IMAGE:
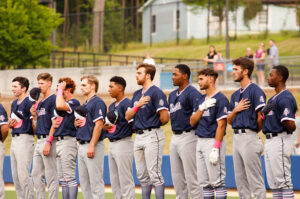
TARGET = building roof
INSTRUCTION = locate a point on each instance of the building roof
(279, 1)
(141, 9)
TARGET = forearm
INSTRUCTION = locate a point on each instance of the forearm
(4, 131)
(164, 117)
(130, 113)
(289, 125)
(259, 122)
(61, 104)
(96, 133)
(231, 116)
(220, 130)
(195, 118)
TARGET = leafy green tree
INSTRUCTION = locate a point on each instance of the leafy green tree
(25, 29)
(252, 8)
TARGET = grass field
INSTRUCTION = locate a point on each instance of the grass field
(6, 101)
(287, 42)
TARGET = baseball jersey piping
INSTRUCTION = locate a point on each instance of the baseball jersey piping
(3, 123)
(99, 118)
(282, 151)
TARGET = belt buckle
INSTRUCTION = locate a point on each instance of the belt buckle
(268, 136)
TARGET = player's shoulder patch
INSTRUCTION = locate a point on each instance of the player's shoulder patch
(100, 112)
(286, 112)
(161, 102)
(261, 99)
(2, 118)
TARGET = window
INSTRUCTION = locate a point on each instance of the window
(177, 20)
(153, 23)
(263, 17)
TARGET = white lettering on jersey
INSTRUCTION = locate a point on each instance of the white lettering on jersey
(206, 113)
(175, 108)
(42, 111)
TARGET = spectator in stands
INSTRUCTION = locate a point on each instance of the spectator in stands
(274, 54)
(259, 60)
(249, 53)
(211, 57)
(149, 60)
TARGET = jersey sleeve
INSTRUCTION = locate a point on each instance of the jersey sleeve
(160, 101)
(72, 104)
(259, 99)
(3, 116)
(195, 98)
(286, 109)
(52, 108)
(99, 111)
(222, 109)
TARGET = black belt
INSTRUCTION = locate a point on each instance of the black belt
(270, 135)
(41, 136)
(237, 131)
(180, 132)
(140, 131)
(114, 139)
(15, 134)
(59, 138)
(83, 141)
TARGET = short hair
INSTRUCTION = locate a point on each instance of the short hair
(272, 40)
(69, 83)
(119, 80)
(184, 69)
(91, 80)
(282, 71)
(149, 69)
(244, 63)
(208, 72)
(45, 76)
(23, 81)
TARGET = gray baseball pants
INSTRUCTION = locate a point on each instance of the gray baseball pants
(278, 151)
(21, 153)
(148, 149)
(2, 155)
(210, 175)
(66, 154)
(45, 166)
(120, 157)
(91, 171)
(183, 165)
(247, 150)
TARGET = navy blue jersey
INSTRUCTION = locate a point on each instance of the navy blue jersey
(96, 111)
(3, 118)
(67, 128)
(182, 106)
(123, 129)
(45, 115)
(208, 124)
(24, 109)
(147, 115)
(247, 119)
(284, 108)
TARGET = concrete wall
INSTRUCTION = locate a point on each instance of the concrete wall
(102, 73)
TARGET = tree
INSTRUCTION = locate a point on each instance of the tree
(25, 29)
(252, 8)
(98, 25)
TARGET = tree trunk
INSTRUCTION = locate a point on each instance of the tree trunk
(77, 22)
(98, 25)
(66, 22)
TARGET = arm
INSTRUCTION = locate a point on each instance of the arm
(95, 137)
(164, 116)
(196, 117)
(243, 105)
(289, 125)
(130, 113)
(4, 131)
(47, 147)
(221, 129)
(60, 101)
(259, 121)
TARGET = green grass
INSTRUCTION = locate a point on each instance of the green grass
(288, 43)
(12, 195)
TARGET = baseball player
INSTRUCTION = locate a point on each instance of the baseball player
(279, 124)
(65, 134)
(22, 144)
(3, 135)
(44, 166)
(120, 153)
(210, 119)
(149, 111)
(182, 102)
(244, 116)
(90, 136)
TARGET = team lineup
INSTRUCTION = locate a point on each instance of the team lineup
(69, 133)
